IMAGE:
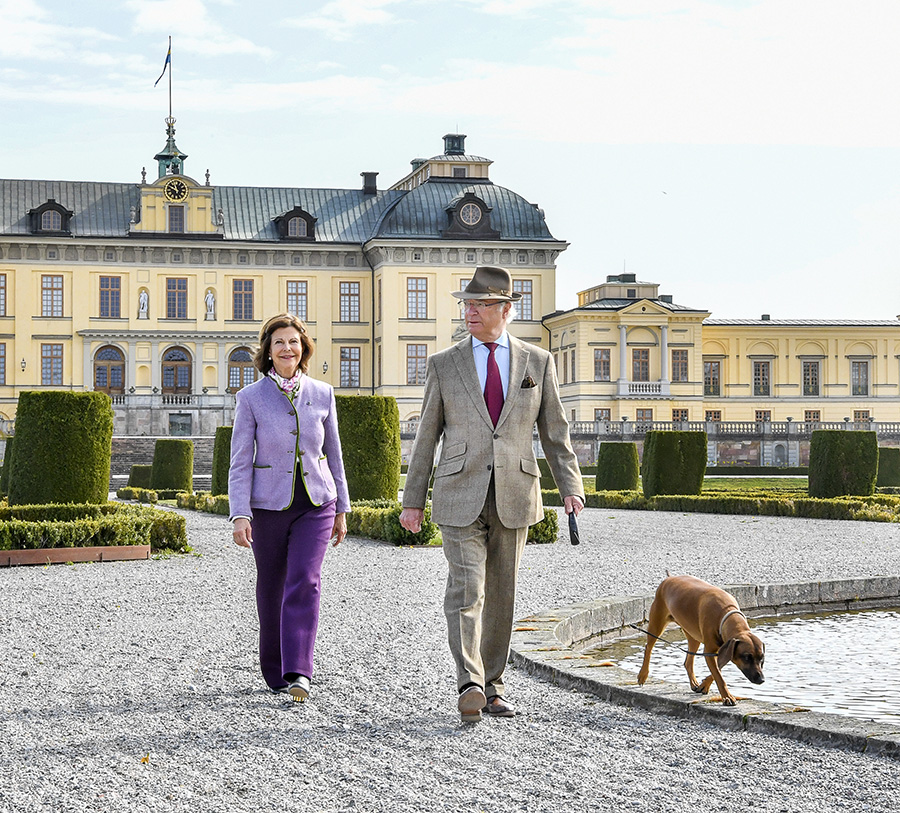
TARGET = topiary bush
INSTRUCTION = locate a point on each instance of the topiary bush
(173, 465)
(63, 448)
(221, 462)
(674, 463)
(369, 426)
(4, 471)
(842, 463)
(618, 467)
(140, 476)
(888, 467)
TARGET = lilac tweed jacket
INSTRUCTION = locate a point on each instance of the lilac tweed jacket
(271, 433)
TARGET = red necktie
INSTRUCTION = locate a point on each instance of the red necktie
(493, 386)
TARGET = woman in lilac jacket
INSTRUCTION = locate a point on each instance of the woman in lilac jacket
(288, 496)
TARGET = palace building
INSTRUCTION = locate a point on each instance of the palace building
(154, 292)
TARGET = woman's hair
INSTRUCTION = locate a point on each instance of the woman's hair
(263, 361)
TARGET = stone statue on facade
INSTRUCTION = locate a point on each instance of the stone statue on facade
(143, 304)
(210, 300)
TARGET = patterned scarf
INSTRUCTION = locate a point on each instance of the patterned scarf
(287, 385)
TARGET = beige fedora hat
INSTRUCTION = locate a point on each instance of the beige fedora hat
(489, 282)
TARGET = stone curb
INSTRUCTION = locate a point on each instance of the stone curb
(549, 644)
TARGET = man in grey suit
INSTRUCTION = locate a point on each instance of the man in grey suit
(483, 397)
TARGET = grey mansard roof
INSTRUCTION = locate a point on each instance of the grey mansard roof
(103, 210)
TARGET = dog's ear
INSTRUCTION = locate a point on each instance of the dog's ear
(726, 652)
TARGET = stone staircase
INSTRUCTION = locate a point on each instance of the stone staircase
(129, 450)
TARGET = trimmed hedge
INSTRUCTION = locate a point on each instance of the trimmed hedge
(545, 532)
(618, 467)
(63, 448)
(369, 426)
(842, 463)
(139, 494)
(173, 465)
(89, 524)
(674, 462)
(204, 501)
(140, 476)
(760, 471)
(888, 467)
(221, 462)
(4, 472)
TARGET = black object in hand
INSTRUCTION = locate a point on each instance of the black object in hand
(574, 538)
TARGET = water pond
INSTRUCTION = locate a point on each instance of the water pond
(840, 663)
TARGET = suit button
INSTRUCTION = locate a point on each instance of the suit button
(302, 452)
(489, 468)
(294, 432)
(292, 412)
(304, 474)
(496, 436)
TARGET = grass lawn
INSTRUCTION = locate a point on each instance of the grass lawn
(716, 484)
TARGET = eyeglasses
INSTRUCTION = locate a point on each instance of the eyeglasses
(478, 305)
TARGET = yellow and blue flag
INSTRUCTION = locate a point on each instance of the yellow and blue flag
(167, 64)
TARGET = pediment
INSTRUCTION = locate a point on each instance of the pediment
(646, 307)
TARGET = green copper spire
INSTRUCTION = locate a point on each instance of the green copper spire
(171, 159)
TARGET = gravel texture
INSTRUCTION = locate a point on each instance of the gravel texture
(134, 687)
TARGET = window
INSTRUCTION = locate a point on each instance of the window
(713, 415)
(350, 364)
(711, 377)
(296, 298)
(416, 298)
(679, 365)
(176, 219)
(631, 293)
(565, 374)
(241, 371)
(176, 371)
(810, 377)
(51, 365)
(297, 227)
(459, 172)
(379, 299)
(812, 416)
(572, 368)
(643, 416)
(861, 415)
(679, 415)
(349, 301)
(761, 385)
(859, 377)
(763, 415)
(109, 371)
(51, 220)
(2, 294)
(522, 258)
(601, 415)
(524, 305)
(640, 364)
(176, 298)
(242, 293)
(51, 295)
(416, 358)
(601, 365)
(110, 297)
(2, 363)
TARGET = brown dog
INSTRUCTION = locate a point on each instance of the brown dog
(709, 615)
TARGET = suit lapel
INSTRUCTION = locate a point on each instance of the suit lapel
(464, 358)
(518, 361)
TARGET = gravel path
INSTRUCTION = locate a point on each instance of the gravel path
(133, 686)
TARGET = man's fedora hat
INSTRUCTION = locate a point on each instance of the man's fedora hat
(489, 282)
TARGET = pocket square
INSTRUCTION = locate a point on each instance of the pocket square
(528, 383)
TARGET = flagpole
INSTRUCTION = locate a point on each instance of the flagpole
(170, 76)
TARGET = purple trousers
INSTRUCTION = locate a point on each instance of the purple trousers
(289, 547)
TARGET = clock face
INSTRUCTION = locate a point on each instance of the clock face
(470, 214)
(175, 189)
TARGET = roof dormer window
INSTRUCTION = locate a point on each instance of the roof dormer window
(460, 172)
(297, 224)
(296, 227)
(469, 216)
(50, 218)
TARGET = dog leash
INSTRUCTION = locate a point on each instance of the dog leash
(672, 643)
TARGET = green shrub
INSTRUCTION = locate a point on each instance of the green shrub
(4, 472)
(139, 494)
(618, 467)
(380, 519)
(842, 463)
(544, 532)
(63, 448)
(369, 427)
(140, 476)
(888, 467)
(674, 463)
(221, 459)
(173, 465)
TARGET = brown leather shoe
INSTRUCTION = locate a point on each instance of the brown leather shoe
(470, 704)
(498, 707)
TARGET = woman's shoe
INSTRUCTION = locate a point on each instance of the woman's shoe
(299, 688)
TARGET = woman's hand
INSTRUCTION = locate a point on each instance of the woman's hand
(339, 531)
(242, 535)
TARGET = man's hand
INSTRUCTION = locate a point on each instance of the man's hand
(573, 503)
(242, 535)
(411, 519)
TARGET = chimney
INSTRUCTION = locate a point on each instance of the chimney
(766, 317)
(454, 144)
(370, 187)
(666, 298)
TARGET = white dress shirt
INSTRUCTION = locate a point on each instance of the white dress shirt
(501, 354)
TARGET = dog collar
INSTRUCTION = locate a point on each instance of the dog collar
(725, 618)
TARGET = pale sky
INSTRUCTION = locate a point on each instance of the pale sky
(745, 154)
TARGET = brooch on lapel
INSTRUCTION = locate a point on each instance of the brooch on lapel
(528, 383)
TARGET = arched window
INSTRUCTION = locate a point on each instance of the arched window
(51, 220)
(296, 227)
(241, 371)
(109, 371)
(176, 371)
